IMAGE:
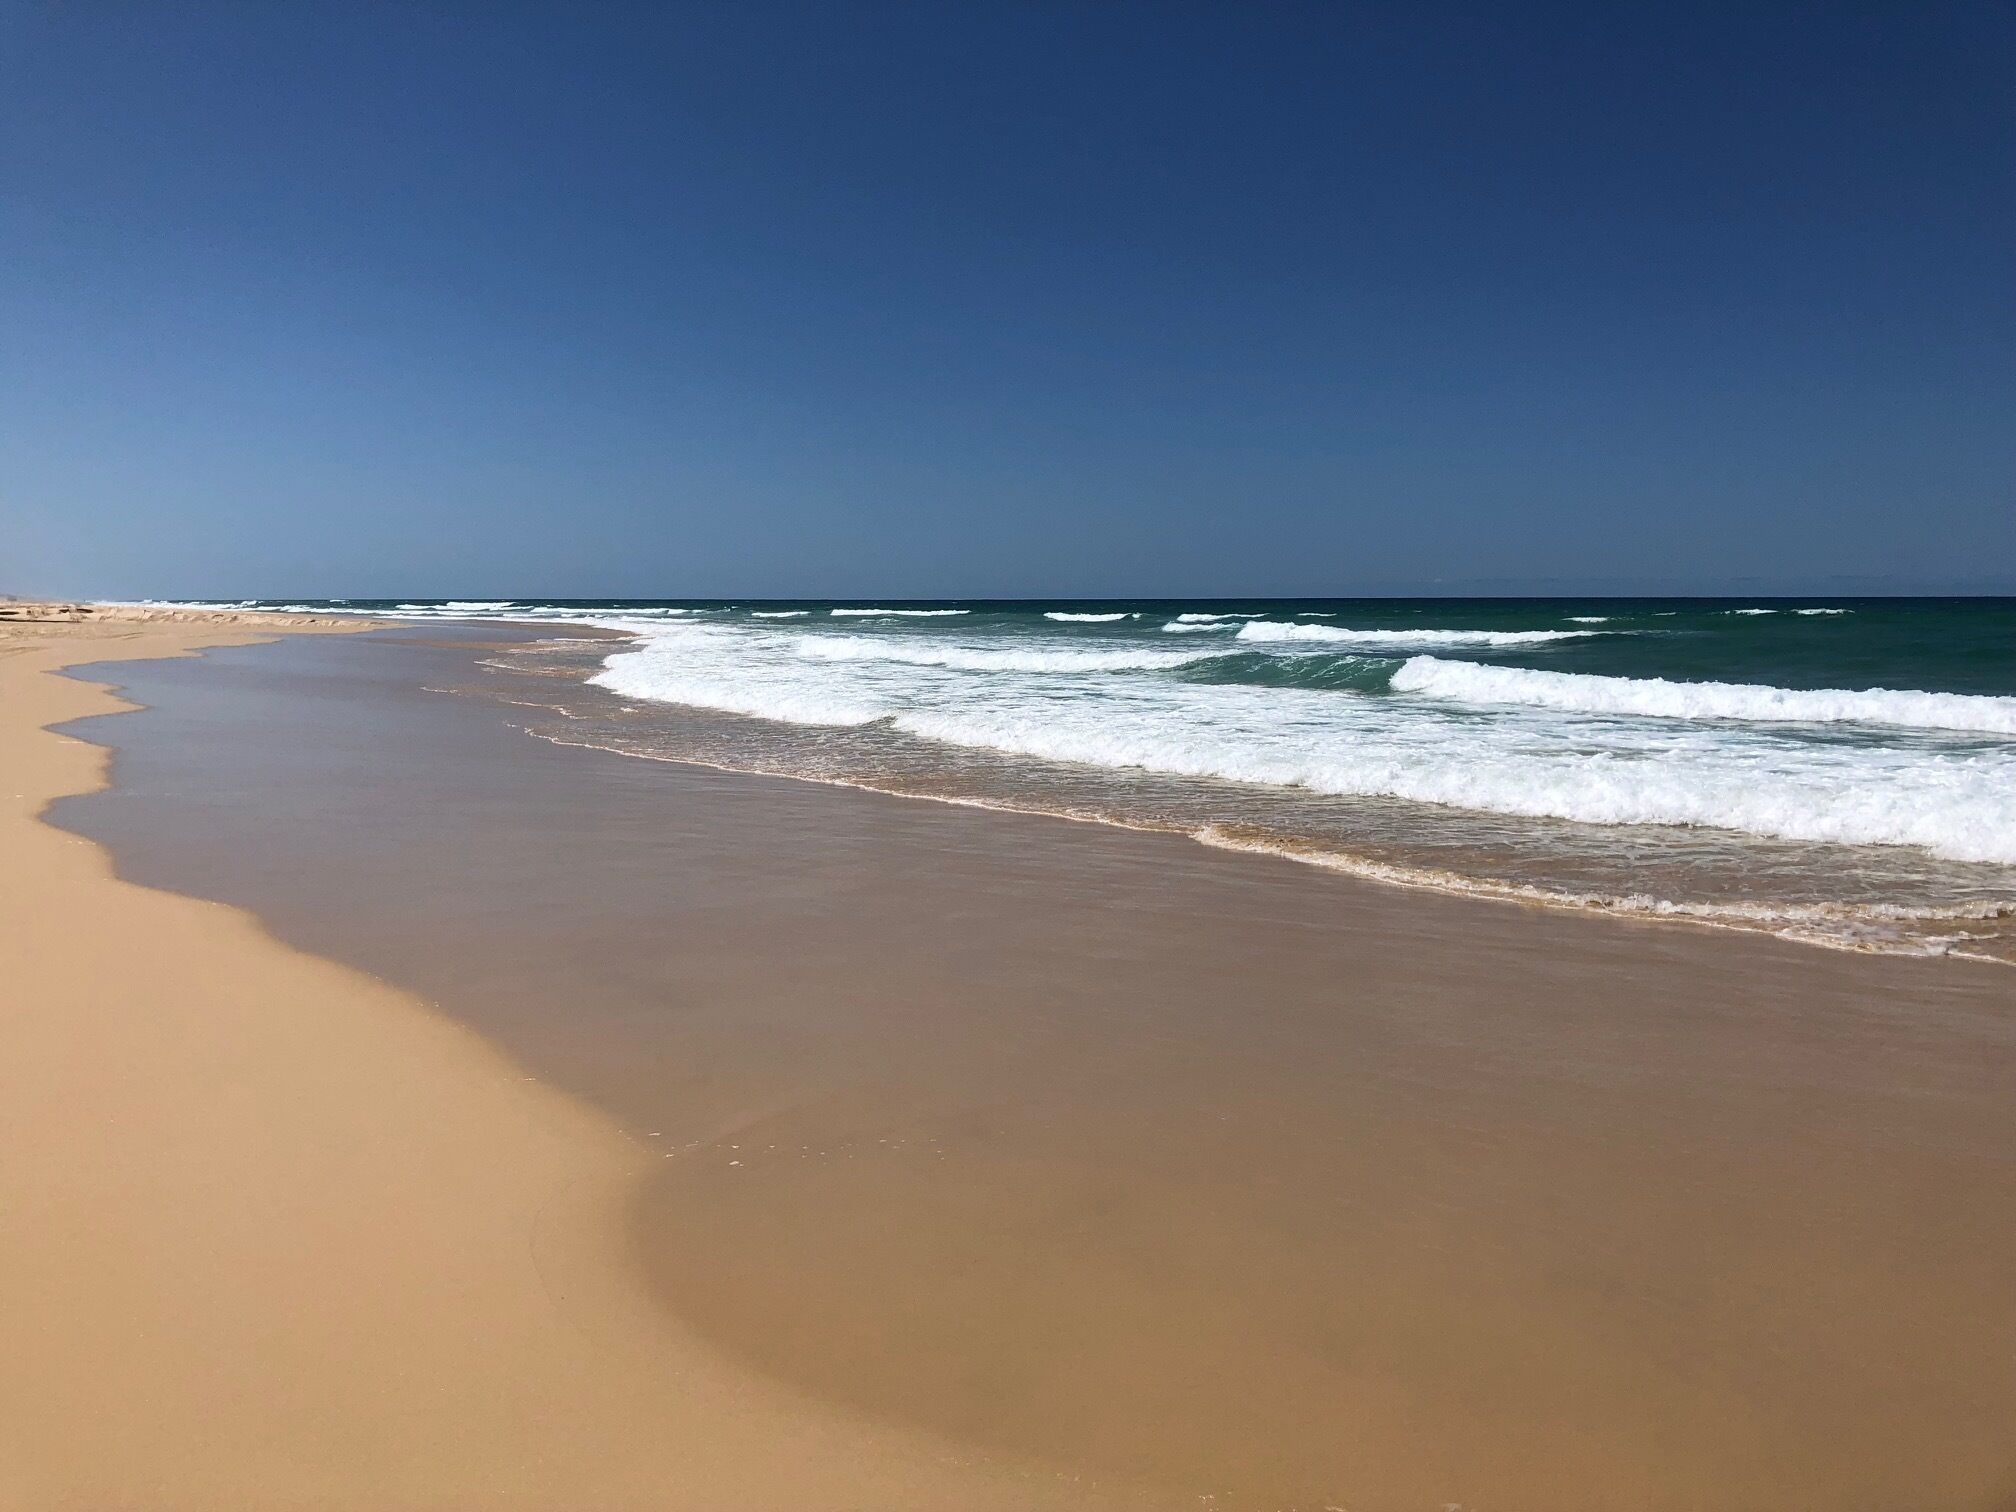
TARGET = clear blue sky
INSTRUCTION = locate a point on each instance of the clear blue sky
(1005, 299)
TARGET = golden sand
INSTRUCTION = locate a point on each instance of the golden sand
(274, 1235)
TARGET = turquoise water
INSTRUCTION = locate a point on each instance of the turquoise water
(1840, 769)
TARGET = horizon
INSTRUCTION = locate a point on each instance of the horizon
(736, 599)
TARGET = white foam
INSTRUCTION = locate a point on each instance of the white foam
(1180, 627)
(1952, 799)
(1943, 804)
(1657, 697)
(1750, 611)
(1843, 925)
(1823, 611)
(1085, 619)
(1590, 619)
(674, 668)
(1274, 630)
(780, 613)
(858, 648)
(905, 613)
(319, 609)
(451, 609)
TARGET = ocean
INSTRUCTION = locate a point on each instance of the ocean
(1841, 771)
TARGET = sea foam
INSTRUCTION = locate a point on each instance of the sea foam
(1274, 630)
(1660, 698)
(854, 648)
(1681, 768)
(1943, 806)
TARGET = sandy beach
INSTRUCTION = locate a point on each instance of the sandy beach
(276, 1235)
(890, 1130)
(847, 757)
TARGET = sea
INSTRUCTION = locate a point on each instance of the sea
(1840, 771)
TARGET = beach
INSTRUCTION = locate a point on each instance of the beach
(277, 1235)
(1007, 758)
(657, 1116)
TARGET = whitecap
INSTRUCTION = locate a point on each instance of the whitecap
(1274, 630)
(1661, 698)
(905, 652)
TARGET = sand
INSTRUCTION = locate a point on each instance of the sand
(1089, 1150)
(1114, 1151)
(274, 1235)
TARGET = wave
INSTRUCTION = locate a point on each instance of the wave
(1823, 611)
(1881, 928)
(1211, 722)
(1180, 627)
(856, 648)
(1962, 813)
(442, 607)
(1749, 611)
(906, 613)
(1472, 682)
(1274, 630)
(779, 613)
(335, 606)
(1269, 667)
(1590, 619)
(1088, 619)
(644, 676)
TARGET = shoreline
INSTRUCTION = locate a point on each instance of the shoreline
(1793, 923)
(1965, 924)
(1979, 929)
(1101, 1148)
(283, 1236)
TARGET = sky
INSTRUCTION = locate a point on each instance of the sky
(1005, 299)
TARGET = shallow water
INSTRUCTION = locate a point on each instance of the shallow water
(1844, 772)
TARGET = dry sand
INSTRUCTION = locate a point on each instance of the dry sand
(273, 1235)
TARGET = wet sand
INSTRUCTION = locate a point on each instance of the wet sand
(1140, 1160)
(274, 1235)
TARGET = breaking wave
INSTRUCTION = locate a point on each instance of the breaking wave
(1658, 698)
(1272, 630)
